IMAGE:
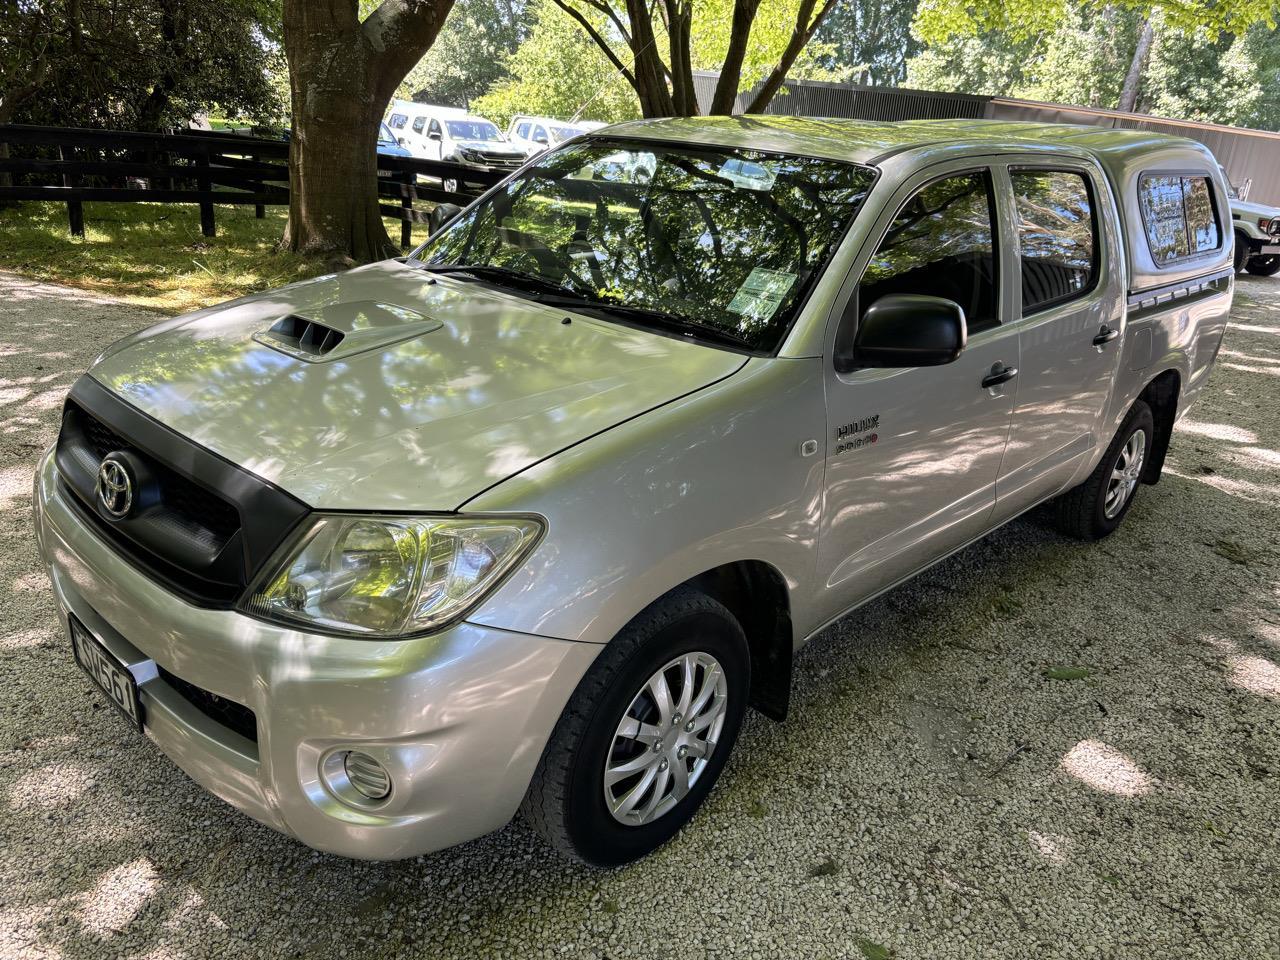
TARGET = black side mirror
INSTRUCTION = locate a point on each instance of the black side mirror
(908, 330)
(435, 135)
(441, 215)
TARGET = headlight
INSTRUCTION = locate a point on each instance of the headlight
(390, 576)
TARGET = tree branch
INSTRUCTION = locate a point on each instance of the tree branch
(799, 38)
(599, 41)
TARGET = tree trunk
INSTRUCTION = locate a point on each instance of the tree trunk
(800, 36)
(1133, 79)
(342, 73)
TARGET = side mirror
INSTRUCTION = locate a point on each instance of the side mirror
(400, 141)
(540, 139)
(435, 135)
(441, 215)
(908, 330)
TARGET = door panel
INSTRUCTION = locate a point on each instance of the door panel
(1069, 291)
(913, 454)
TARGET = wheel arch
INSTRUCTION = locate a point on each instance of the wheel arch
(756, 593)
(1161, 394)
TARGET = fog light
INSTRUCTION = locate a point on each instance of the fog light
(366, 775)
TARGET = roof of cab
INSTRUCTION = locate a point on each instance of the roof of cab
(868, 141)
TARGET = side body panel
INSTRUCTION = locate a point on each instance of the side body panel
(1065, 384)
(926, 484)
(714, 478)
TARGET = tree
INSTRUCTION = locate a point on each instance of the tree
(559, 72)
(871, 38)
(133, 64)
(652, 45)
(471, 53)
(1088, 57)
(342, 73)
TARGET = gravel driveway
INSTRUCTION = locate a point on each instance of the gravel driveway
(1037, 749)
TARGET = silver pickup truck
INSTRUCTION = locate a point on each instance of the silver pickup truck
(528, 519)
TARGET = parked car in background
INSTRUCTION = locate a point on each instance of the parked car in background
(533, 135)
(527, 520)
(1256, 228)
(388, 145)
(447, 133)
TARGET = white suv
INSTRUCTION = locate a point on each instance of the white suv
(448, 133)
(536, 134)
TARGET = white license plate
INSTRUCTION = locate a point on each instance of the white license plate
(108, 672)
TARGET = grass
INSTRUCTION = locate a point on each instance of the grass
(152, 254)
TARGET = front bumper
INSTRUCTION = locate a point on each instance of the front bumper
(458, 718)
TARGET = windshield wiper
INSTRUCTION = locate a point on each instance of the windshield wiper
(550, 293)
(658, 318)
(505, 276)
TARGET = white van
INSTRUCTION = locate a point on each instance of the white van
(448, 133)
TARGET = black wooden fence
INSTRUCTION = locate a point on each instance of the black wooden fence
(72, 166)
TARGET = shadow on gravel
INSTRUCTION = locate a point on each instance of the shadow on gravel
(1036, 749)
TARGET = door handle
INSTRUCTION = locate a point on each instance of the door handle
(1105, 336)
(1000, 374)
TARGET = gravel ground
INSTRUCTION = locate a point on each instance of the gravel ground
(1037, 749)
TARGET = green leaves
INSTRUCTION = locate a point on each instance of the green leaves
(1066, 673)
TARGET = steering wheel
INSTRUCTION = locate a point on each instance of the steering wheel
(557, 265)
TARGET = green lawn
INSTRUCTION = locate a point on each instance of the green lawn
(152, 254)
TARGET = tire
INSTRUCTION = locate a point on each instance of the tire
(1264, 266)
(1086, 512)
(566, 802)
(1241, 252)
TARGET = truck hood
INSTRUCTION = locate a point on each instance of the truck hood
(1253, 211)
(379, 389)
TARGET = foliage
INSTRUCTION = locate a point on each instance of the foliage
(134, 64)
(656, 47)
(868, 41)
(556, 72)
(470, 55)
(1083, 58)
(940, 20)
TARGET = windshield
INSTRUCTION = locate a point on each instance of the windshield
(724, 243)
(385, 134)
(473, 130)
(560, 134)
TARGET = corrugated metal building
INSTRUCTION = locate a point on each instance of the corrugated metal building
(1247, 154)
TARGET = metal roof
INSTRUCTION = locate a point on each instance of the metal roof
(865, 141)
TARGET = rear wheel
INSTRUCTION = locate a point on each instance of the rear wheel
(1266, 266)
(645, 736)
(1095, 508)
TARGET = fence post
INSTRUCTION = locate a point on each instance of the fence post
(206, 199)
(409, 179)
(75, 209)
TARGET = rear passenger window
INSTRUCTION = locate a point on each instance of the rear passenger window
(397, 121)
(1179, 216)
(942, 244)
(1057, 236)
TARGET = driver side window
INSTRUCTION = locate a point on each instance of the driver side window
(941, 244)
(434, 129)
(417, 124)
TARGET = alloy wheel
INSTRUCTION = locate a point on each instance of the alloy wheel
(665, 738)
(1125, 474)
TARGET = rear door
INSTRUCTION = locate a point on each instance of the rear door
(913, 453)
(1069, 296)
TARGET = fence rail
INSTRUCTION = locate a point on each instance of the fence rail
(70, 165)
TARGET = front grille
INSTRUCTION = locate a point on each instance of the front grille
(232, 715)
(199, 524)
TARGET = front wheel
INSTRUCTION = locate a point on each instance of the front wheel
(1240, 254)
(1095, 508)
(645, 736)
(1267, 266)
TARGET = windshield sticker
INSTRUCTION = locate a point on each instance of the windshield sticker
(747, 175)
(761, 293)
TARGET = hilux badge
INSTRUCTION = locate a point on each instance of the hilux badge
(115, 488)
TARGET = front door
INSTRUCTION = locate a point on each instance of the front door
(1070, 316)
(913, 453)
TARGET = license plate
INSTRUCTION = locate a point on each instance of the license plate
(109, 673)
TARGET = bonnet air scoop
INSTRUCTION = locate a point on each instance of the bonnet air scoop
(341, 330)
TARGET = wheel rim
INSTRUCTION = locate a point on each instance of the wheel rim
(665, 739)
(1125, 473)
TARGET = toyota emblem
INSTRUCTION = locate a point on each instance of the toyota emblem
(115, 488)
